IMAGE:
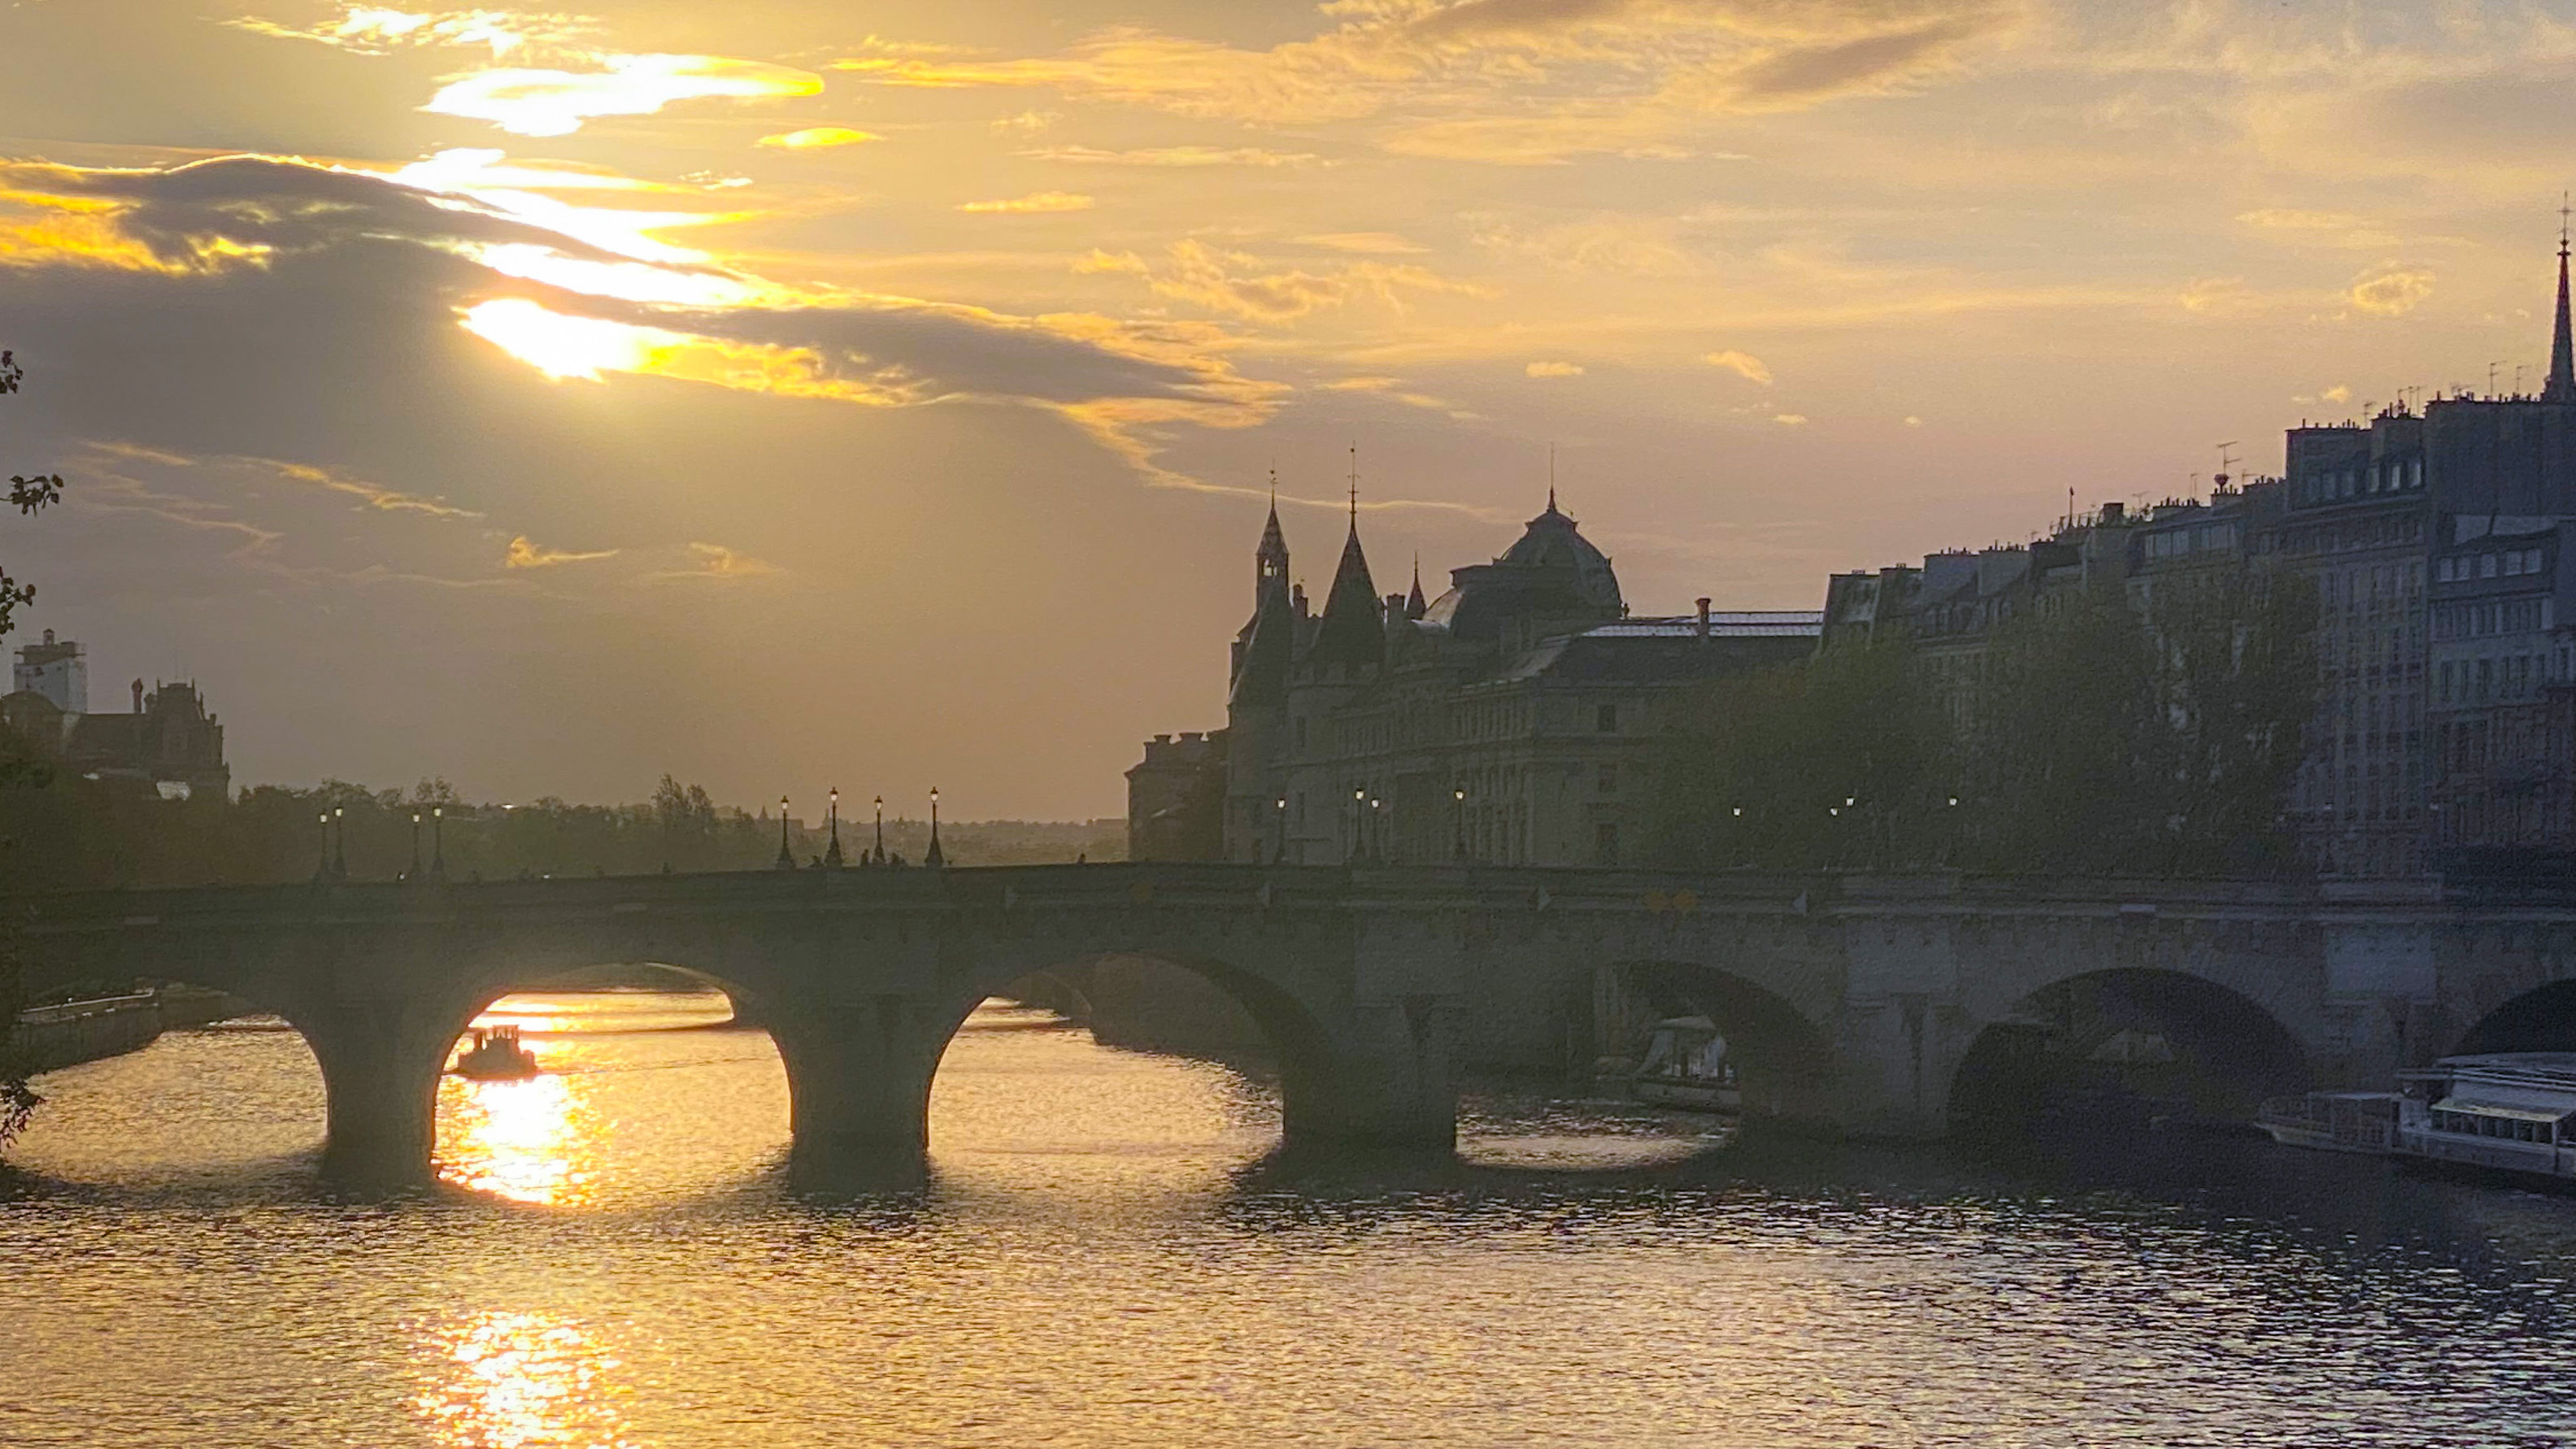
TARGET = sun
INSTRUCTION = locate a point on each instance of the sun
(561, 346)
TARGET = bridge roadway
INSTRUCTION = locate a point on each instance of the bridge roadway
(1852, 1001)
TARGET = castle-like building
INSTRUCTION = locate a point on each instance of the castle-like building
(169, 744)
(1512, 720)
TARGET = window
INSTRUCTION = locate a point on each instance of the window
(1605, 843)
(2486, 565)
(1301, 732)
(1606, 720)
(2445, 695)
(1607, 782)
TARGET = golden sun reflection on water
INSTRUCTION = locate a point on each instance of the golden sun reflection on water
(526, 1141)
(522, 1381)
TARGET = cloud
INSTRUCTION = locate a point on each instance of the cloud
(1175, 156)
(441, 259)
(380, 30)
(1371, 243)
(1026, 123)
(717, 562)
(547, 102)
(1912, 421)
(2391, 290)
(814, 138)
(2286, 219)
(2339, 393)
(1790, 420)
(524, 554)
(1743, 364)
(1035, 203)
(1553, 369)
(1229, 281)
(2223, 297)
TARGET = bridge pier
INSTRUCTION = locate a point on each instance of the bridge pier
(1389, 1084)
(858, 1080)
(380, 1069)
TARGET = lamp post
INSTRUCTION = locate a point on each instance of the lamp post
(322, 866)
(786, 858)
(415, 846)
(1377, 830)
(934, 857)
(1279, 808)
(832, 857)
(1460, 795)
(880, 850)
(438, 841)
(1359, 795)
(340, 860)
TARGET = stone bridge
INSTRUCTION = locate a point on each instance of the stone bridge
(1856, 1004)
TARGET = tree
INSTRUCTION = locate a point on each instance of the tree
(29, 494)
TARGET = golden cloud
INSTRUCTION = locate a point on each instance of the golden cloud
(381, 30)
(1553, 369)
(524, 554)
(1374, 243)
(1790, 420)
(544, 102)
(1035, 203)
(1743, 364)
(2391, 290)
(814, 138)
(1228, 281)
(1175, 156)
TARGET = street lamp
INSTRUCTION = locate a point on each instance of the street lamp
(322, 867)
(1359, 793)
(438, 841)
(340, 861)
(934, 857)
(832, 857)
(786, 858)
(1279, 809)
(1460, 795)
(880, 850)
(1377, 830)
(415, 846)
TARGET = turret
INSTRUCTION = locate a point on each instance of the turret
(2561, 387)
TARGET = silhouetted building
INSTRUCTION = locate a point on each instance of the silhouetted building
(168, 744)
(1175, 798)
(1514, 719)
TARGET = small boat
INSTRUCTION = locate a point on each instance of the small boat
(2507, 1111)
(2363, 1122)
(1686, 1066)
(496, 1056)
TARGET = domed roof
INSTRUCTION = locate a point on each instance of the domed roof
(1552, 542)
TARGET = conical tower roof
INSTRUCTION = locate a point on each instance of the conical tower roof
(2561, 387)
(1352, 631)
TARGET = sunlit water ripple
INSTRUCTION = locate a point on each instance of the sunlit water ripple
(1111, 1254)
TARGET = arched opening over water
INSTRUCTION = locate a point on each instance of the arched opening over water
(1773, 1055)
(1128, 1054)
(2540, 1020)
(2124, 1046)
(651, 1079)
(214, 1086)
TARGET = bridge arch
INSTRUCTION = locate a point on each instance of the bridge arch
(1783, 1053)
(1313, 1059)
(2541, 1019)
(2126, 1040)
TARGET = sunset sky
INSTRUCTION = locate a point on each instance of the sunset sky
(796, 394)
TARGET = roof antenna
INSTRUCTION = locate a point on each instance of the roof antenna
(1355, 487)
(2226, 461)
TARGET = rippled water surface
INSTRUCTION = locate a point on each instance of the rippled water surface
(1111, 1253)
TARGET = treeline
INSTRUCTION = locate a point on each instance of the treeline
(69, 833)
(2097, 734)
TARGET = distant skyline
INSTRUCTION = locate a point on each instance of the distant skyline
(547, 399)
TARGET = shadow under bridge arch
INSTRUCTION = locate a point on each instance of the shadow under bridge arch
(2124, 1044)
(1781, 1060)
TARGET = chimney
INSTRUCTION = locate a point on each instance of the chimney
(138, 696)
(1703, 619)
(2114, 514)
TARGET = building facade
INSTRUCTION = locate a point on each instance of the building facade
(1517, 718)
(168, 744)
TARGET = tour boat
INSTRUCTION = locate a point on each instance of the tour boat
(2510, 1111)
(2334, 1121)
(496, 1056)
(1685, 1066)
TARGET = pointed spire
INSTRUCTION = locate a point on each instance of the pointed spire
(1414, 607)
(2561, 387)
(1352, 631)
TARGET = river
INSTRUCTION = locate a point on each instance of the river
(1112, 1253)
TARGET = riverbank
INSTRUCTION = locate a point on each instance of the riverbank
(67, 1033)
